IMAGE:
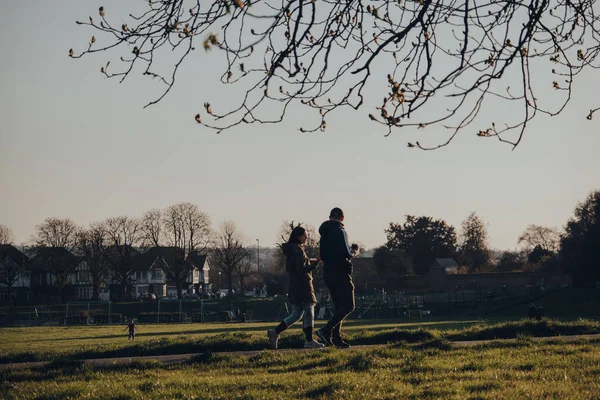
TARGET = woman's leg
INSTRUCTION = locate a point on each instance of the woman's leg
(294, 316)
(308, 322)
(288, 321)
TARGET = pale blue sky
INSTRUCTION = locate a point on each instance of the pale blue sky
(73, 144)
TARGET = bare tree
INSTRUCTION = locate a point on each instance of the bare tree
(245, 269)
(124, 235)
(540, 236)
(56, 232)
(6, 235)
(91, 246)
(152, 228)
(12, 265)
(188, 230)
(55, 239)
(440, 60)
(229, 251)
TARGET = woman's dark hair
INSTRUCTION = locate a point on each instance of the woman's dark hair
(296, 233)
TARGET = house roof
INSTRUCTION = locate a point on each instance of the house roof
(144, 261)
(167, 255)
(445, 263)
(53, 258)
(8, 251)
(199, 260)
(113, 254)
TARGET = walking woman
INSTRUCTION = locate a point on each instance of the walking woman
(301, 291)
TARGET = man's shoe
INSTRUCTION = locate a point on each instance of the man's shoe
(340, 343)
(324, 336)
(273, 338)
(313, 344)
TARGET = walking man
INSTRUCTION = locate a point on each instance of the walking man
(337, 259)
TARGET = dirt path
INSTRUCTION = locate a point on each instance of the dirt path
(181, 358)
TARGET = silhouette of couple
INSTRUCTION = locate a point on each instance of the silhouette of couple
(337, 257)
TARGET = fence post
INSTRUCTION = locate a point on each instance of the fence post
(88, 315)
(158, 314)
(180, 310)
(110, 312)
(66, 314)
(201, 310)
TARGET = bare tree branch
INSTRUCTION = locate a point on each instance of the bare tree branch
(188, 231)
(152, 228)
(56, 232)
(124, 235)
(6, 235)
(229, 251)
(443, 59)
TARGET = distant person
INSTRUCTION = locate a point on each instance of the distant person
(337, 258)
(132, 328)
(301, 291)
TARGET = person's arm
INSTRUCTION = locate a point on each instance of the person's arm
(341, 241)
(303, 264)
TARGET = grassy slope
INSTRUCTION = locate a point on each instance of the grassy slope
(523, 369)
(47, 343)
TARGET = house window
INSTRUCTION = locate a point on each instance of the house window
(84, 276)
(157, 273)
(139, 276)
(84, 293)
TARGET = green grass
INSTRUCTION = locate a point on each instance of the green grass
(427, 370)
(73, 343)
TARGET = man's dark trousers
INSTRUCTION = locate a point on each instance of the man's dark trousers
(341, 287)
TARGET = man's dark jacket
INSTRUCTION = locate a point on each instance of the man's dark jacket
(335, 253)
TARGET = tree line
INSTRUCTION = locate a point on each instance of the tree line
(109, 247)
(412, 246)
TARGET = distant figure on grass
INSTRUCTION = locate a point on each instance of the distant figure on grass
(337, 258)
(132, 328)
(301, 291)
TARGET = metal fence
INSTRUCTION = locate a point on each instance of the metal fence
(376, 305)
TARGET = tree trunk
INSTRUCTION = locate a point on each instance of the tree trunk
(230, 283)
(241, 284)
(179, 285)
(95, 290)
(10, 298)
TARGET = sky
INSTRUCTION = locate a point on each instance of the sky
(76, 145)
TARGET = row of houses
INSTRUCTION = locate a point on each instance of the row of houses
(56, 272)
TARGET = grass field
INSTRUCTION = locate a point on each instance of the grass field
(57, 339)
(428, 370)
(415, 360)
(73, 343)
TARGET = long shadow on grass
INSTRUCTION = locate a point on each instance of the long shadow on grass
(238, 328)
(515, 329)
(245, 341)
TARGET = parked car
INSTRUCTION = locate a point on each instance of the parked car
(219, 294)
(148, 297)
(192, 296)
